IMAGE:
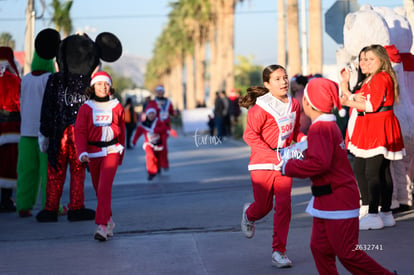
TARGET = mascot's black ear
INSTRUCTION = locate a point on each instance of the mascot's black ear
(110, 48)
(47, 43)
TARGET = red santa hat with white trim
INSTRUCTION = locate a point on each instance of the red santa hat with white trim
(323, 95)
(101, 76)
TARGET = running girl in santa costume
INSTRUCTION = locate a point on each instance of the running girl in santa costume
(100, 143)
(377, 137)
(153, 130)
(335, 201)
(272, 124)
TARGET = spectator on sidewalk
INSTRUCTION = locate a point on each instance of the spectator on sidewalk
(218, 111)
(130, 120)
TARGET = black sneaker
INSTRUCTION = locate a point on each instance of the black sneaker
(7, 206)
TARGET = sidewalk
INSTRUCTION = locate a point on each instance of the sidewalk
(187, 221)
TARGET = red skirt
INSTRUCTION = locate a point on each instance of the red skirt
(377, 134)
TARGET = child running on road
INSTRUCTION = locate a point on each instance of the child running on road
(100, 143)
(272, 124)
(153, 130)
(335, 201)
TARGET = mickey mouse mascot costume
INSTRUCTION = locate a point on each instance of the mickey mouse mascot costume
(77, 57)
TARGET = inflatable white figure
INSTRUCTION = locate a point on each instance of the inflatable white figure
(385, 26)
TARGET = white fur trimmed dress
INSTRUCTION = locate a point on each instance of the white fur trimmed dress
(377, 130)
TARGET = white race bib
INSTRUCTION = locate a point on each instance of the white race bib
(102, 117)
(286, 125)
(164, 115)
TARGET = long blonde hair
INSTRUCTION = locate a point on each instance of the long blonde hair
(385, 66)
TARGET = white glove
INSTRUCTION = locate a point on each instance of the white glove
(43, 143)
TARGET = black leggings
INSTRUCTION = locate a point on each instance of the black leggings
(375, 182)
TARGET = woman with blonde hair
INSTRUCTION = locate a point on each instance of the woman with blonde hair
(377, 137)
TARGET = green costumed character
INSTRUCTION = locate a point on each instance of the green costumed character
(32, 164)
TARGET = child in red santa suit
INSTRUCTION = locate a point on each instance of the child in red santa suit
(272, 123)
(165, 110)
(100, 142)
(335, 202)
(153, 130)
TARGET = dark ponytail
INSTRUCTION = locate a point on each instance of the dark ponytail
(253, 93)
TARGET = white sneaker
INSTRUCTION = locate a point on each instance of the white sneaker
(371, 221)
(101, 233)
(247, 226)
(280, 260)
(110, 227)
(363, 211)
(387, 218)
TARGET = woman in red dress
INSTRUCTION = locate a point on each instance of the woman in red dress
(377, 138)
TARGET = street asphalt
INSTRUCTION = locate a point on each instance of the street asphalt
(185, 221)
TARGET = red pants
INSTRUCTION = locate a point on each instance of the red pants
(266, 184)
(56, 177)
(103, 172)
(153, 160)
(339, 238)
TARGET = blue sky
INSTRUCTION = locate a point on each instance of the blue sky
(138, 23)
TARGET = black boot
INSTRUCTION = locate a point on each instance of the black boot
(47, 216)
(6, 203)
(83, 214)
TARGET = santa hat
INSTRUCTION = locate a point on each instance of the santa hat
(6, 53)
(393, 53)
(101, 76)
(160, 88)
(150, 110)
(322, 94)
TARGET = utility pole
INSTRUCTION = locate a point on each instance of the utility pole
(29, 36)
(30, 30)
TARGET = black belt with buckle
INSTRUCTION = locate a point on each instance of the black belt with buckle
(382, 109)
(318, 191)
(103, 143)
(6, 116)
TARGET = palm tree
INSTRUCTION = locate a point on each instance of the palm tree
(6, 39)
(221, 41)
(61, 16)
